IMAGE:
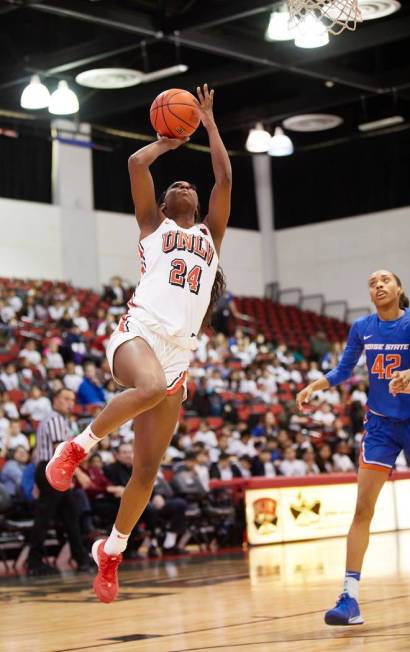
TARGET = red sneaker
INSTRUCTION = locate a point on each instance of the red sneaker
(106, 583)
(60, 469)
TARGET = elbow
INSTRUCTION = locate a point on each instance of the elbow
(134, 160)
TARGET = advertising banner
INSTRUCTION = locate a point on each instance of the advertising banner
(311, 512)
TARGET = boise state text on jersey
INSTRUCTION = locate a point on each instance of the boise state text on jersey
(387, 348)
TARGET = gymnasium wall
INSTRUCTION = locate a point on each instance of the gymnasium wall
(335, 258)
(32, 243)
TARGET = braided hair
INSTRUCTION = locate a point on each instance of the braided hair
(404, 300)
(219, 286)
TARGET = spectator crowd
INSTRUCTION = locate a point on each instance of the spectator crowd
(240, 418)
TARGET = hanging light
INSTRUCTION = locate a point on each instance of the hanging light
(280, 144)
(63, 101)
(35, 95)
(258, 139)
(311, 33)
(279, 28)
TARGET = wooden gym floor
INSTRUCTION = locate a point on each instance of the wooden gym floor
(270, 598)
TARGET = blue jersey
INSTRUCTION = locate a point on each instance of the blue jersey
(387, 348)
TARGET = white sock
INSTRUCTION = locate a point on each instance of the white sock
(116, 542)
(170, 540)
(86, 439)
(351, 585)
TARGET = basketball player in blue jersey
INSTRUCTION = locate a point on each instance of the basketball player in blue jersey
(385, 338)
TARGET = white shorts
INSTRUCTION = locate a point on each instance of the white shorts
(173, 359)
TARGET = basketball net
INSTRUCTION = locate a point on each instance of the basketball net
(335, 15)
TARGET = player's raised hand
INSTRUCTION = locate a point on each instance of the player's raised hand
(206, 100)
(304, 396)
(171, 143)
(400, 382)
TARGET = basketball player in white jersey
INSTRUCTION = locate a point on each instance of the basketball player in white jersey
(149, 353)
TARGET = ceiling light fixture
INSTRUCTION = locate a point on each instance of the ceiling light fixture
(381, 124)
(311, 33)
(165, 72)
(278, 28)
(115, 78)
(35, 95)
(280, 144)
(258, 140)
(63, 101)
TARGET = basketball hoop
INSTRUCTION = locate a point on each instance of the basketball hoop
(335, 15)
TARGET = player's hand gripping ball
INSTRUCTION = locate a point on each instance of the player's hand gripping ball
(175, 113)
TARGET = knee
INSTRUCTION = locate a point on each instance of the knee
(364, 511)
(145, 475)
(154, 392)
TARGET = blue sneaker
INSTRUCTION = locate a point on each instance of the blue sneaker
(346, 612)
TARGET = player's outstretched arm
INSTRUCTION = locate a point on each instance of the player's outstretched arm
(220, 199)
(400, 383)
(342, 372)
(142, 184)
(307, 392)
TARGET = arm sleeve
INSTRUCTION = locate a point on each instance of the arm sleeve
(348, 361)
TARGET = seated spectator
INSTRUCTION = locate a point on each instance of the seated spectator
(341, 460)
(106, 325)
(167, 509)
(9, 377)
(4, 430)
(359, 394)
(242, 446)
(202, 468)
(311, 468)
(9, 407)
(56, 310)
(81, 322)
(37, 406)
(224, 469)
(73, 378)
(116, 294)
(7, 313)
(90, 390)
(30, 353)
(340, 431)
(244, 465)
(314, 372)
(53, 357)
(16, 437)
(284, 440)
(324, 416)
(290, 466)
(119, 472)
(332, 396)
(105, 451)
(324, 459)
(320, 347)
(99, 490)
(12, 472)
(262, 464)
(206, 435)
(224, 443)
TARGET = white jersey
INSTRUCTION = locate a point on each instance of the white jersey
(178, 268)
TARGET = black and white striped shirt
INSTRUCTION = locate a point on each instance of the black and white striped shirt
(51, 431)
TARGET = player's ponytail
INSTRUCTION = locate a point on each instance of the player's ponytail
(404, 300)
(217, 291)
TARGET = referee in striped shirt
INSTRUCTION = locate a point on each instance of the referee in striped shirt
(51, 431)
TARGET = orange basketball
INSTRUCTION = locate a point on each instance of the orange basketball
(174, 113)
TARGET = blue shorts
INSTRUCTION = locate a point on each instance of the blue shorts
(383, 440)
